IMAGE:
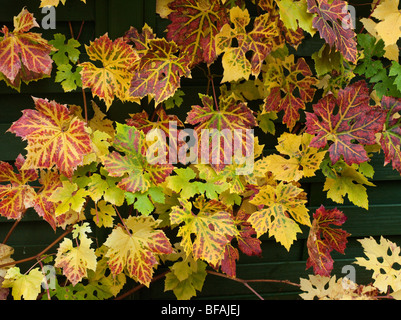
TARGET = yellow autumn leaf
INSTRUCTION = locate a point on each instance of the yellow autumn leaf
(68, 197)
(136, 247)
(26, 286)
(295, 15)
(388, 28)
(296, 159)
(103, 214)
(384, 259)
(282, 205)
(75, 261)
(348, 182)
(328, 288)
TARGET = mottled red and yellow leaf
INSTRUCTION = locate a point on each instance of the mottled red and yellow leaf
(159, 71)
(194, 26)
(350, 128)
(323, 239)
(237, 62)
(55, 137)
(24, 55)
(136, 247)
(289, 85)
(113, 78)
(17, 195)
(211, 227)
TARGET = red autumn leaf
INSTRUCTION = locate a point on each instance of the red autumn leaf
(55, 137)
(247, 241)
(17, 195)
(194, 26)
(231, 117)
(391, 136)
(228, 263)
(353, 126)
(50, 181)
(333, 23)
(284, 81)
(323, 239)
(24, 55)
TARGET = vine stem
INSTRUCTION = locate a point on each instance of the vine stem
(377, 3)
(138, 287)
(11, 230)
(213, 88)
(122, 220)
(69, 230)
(244, 282)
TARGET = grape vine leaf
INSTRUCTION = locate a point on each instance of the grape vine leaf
(102, 185)
(383, 258)
(237, 62)
(230, 124)
(50, 181)
(389, 28)
(390, 140)
(136, 248)
(187, 274)
(323, 239)
(24, 55)
(247, 244)
(371, 48)
(55, 137)
(211, 228)
(282, 81)
(353, 126)
(103, 214)
(113, 78)
(333, 22)
(328, 288)
(295, 15)
(27, 286)
(68, 197)
(66, 52)
(16, 196)
(295, 159)
(5, 257)
(144, 202)
(194, 26)
(134, 167)
(348, 181)
(75, 261)
(159, 71)
(282, 202)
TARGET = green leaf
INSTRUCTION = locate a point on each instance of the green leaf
(70, 80)
(66, 52)
(395, 70)
(143, 202)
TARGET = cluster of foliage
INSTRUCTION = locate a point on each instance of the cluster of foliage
(338, 108)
